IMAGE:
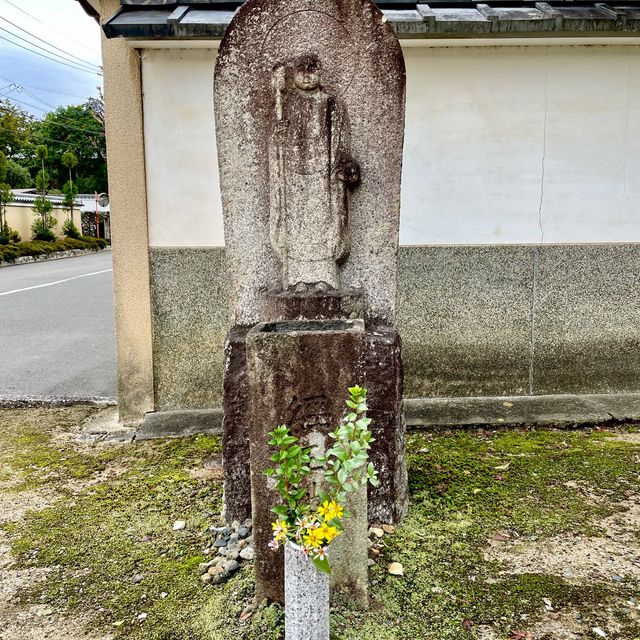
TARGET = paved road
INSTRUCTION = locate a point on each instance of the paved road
(57, 328)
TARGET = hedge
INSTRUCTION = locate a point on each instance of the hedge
(9, 252)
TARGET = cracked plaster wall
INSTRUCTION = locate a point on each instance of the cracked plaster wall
(519, 169)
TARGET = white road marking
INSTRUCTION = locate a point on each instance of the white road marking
(50, 284)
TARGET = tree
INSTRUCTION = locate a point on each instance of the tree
(15, 128)
(70, 191)
(5, 197)
(74, 128)
(18, 176)
(3, 167)
(42, 229)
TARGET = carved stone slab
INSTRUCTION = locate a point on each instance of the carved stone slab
(323, 358)
(362, 71)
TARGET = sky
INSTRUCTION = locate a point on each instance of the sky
(66, 34)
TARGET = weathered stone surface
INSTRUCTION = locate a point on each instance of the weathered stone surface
(348, 553)
(313, 303)
(323, 359)
(464, 314)
(177, 424)
(235, 432)
(522, 410)
(363, 71)
(586, 315)
(383, 378)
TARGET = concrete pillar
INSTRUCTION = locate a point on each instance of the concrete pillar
(129, 235)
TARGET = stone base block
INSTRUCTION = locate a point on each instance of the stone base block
(313, 303)
(384, 381)
(235, 433)
(381, 374)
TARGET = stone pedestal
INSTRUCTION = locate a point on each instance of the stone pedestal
(383, 378)
(381, 374)
(298, 375)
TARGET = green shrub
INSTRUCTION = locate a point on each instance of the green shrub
(43, 229)
(71, 243)
(95, 243)
(70, 230)
(9, 235)
(9, 253)
(35, 248)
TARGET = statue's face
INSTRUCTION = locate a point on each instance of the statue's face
(307, 77)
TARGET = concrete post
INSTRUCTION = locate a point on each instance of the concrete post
(129, 233)
(306, 597)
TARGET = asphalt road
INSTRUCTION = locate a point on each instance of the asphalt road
(57, 333)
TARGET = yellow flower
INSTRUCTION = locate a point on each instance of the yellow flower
(330, 510)
(328, 533)
(314, 538)
(280, 530)
(324, 509)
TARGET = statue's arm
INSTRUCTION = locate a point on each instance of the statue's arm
(346, 169)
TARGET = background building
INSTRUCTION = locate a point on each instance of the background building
(519, 263)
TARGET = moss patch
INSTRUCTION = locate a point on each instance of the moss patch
(101, 529)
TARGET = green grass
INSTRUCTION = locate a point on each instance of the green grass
(101, 530)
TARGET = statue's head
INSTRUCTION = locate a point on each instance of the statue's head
(306, 72)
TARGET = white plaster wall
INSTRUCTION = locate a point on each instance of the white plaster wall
(183, 191)
(504, 145)
(522, 145)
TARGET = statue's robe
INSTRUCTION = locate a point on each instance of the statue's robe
(309, 225)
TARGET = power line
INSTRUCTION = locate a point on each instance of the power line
(60, 124)
(57, 55)
(20, 89)
(51, 46)
(43, 139)
(48, 58)
(62, 93)
(50, 27)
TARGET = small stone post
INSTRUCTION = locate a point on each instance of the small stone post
(306, 597)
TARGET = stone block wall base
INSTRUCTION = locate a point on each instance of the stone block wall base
(509, 411)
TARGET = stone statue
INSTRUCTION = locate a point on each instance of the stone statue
(311, 172)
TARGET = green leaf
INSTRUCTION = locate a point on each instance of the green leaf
(323, 564)
(281, 510)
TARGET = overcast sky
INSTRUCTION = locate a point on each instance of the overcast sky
(67, 34)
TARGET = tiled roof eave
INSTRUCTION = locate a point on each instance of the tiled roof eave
(201, 21)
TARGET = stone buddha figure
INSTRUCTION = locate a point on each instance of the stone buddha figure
(311, 173)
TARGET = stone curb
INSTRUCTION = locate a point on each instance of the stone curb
(175, 424)
(560, 410)
(18, 402)
(56, 255)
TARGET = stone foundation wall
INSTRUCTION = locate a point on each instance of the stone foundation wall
(475, 321)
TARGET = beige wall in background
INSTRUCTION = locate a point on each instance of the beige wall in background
(21, 217)
(504, 144)
(127, 191)
(184, 203)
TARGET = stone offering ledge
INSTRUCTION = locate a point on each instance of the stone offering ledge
(209, 19)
